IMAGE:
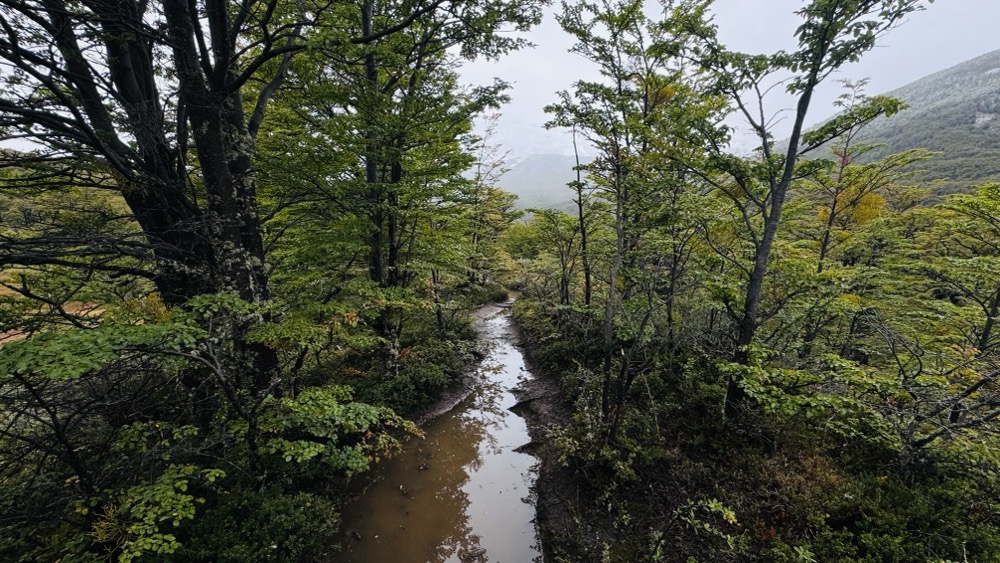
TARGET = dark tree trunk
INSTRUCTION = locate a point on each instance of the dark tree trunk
(736, 398)
(584, 255)
(564, 284)
(991, 317)
(611, 300)
(224, 148)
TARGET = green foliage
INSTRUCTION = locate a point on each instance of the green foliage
(123, 402)
(854, 117)
(322, 424)
(874, 518)
(697, 515)
(121, 511)
(559, 347)
(843, 31)
(134, 522)
(425, 370)
(483, 294)
(841, 412)
(268, 525)
(861, 321)
(63, 355)
(869, 419)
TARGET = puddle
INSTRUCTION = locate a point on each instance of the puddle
(462, 494)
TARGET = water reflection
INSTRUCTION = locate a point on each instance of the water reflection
(459, 495)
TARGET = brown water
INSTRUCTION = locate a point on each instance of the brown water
(462, 490)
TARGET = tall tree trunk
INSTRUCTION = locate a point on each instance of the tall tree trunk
(612, 299)
(438, 310)
(991, 317)
(584, 255)
(225, 148)
(736, 398)
(564, 283)
(376, 264)
(394, 234)
(225, 152)
(824, 245)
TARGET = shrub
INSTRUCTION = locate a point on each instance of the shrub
(264, 526)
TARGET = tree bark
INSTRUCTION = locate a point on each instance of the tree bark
(584, 255)
(737, 400)
(991, 317)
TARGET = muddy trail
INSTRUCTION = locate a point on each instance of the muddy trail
(462, 494)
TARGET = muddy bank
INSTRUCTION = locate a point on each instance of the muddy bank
(540, 404)
(574, 524)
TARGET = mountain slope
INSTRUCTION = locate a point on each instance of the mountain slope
(955, 112)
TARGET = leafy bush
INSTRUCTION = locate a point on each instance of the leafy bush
(266, 526)
(424, 370)
(482, 294)
(873, 518)
(322, 425)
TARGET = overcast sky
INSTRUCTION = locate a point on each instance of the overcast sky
(947, 33)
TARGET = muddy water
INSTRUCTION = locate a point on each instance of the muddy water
(462, 494)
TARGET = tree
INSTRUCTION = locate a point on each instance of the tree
(645, 117)
(611, 115)
(852, 192)
(407, 99)
(383, 137)
(560, 233)
(833, 33)
(491, 208)
(967, 242)
(581, 202)
(173, 81)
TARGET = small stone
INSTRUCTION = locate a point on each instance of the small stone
(356, 535)
(473, 554)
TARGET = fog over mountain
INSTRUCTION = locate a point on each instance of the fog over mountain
(954, 112)
(539, 180)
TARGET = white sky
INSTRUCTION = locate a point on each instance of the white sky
(947, 33)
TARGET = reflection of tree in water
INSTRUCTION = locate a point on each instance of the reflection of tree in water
(495, 379)
(418, 511)
(418, 508)
(451, 464)
(487, 413)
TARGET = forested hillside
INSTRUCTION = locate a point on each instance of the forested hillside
(241, 242)
(956, 114)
